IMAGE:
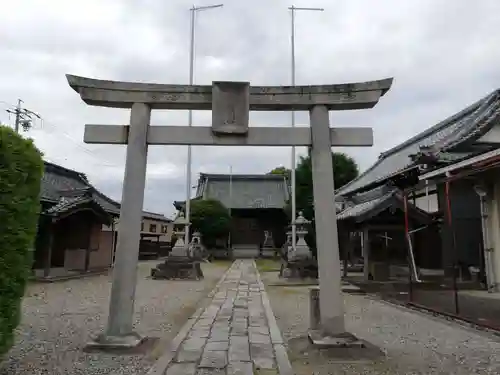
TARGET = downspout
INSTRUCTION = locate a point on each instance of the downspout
(408, 233)
(490, 270)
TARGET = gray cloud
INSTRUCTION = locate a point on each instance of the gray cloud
(443, 55)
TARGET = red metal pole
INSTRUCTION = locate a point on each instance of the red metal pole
(407, 237)
(452, 234)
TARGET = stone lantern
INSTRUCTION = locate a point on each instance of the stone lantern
(196, 247)
(180, 249)
(301, 251)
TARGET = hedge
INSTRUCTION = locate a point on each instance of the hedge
(21, 170)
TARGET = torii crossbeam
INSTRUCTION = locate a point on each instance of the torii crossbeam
(230, 103)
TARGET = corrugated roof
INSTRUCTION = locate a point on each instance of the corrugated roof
(248, 191)
(465, 126)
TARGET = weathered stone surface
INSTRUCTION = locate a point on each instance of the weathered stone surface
(219, 335)
(216, 359)
(230, 107)
(217, 345)
(190, 350)
(257, 338)
(181, 369)
(199, 333)
(240, 368)
(232, 345)
(239, 349)
(262, 355)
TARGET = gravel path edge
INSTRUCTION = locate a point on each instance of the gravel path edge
(280, 351)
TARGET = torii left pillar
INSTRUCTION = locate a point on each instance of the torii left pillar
(230, 103)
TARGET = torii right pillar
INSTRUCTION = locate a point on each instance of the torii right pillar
(331, 330)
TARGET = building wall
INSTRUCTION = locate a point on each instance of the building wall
(462, 242)
(101, 252)
(147, 227)
(427, 199)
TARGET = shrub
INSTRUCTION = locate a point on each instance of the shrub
(21, 169)
(211, 218)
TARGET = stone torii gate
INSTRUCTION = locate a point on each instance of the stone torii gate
(230, 103)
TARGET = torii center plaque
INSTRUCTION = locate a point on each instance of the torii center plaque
(230, 103)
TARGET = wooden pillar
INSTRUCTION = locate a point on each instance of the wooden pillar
(365, 246)
(87, 247)
(48, 259)
(113, 242)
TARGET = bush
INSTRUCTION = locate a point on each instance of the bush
(21, 169)
(211, 218)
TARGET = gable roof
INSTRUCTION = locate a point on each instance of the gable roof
(442, 139)
(59, 182)
(244, 191)
(365, 206)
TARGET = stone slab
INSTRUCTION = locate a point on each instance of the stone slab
(342, 341)
(181, 369)
(213, 359)
(240, 368)
(239, 349)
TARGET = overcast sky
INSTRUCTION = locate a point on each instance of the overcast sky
(443, 55)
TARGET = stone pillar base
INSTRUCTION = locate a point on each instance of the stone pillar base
(107, 342)
(317, 334)
(343, 340)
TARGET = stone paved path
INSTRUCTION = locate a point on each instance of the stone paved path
(236, 334)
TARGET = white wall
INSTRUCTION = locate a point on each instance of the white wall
(427, 203)
(493, 136)
(165, 237)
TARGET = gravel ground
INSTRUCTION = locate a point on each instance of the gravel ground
(414, 343)
(60, 318)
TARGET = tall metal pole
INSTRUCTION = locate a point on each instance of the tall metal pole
(294, 201)
(18, 115)
(230, 201)
(193, 11)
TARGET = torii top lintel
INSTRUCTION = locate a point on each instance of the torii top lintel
(119, 94)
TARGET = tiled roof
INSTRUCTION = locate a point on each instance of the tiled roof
(366, 205)
(155, 216)
(68, 204)
(465, 126)
(362, 204)
(248, 191)
(58, 182)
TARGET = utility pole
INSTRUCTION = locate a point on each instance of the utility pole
(24, 117)
(193, 11)
(292, 40)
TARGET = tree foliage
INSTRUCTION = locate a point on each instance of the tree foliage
(211, 218)
(345, 170)
(283, 171)
(21, 170)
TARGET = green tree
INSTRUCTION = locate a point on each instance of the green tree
(282, 171)
(345, 170)
(211, 218)
(21, 170)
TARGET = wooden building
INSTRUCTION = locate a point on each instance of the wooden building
(472, 131)
(256, 203)
(77, 228)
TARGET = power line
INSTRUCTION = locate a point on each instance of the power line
(24, 116)
(76, 143)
